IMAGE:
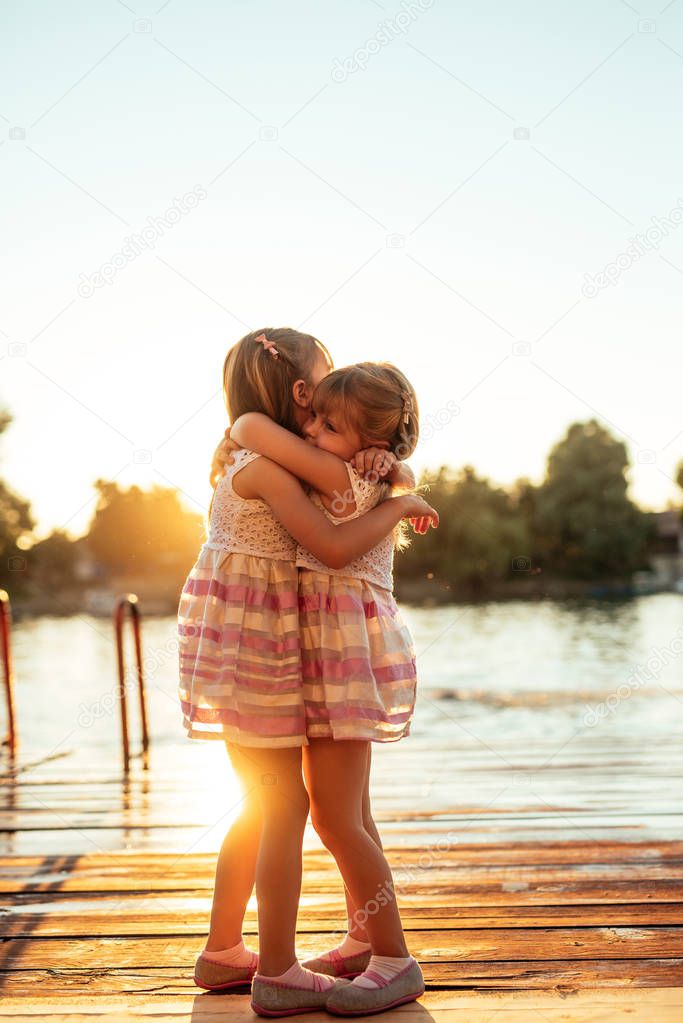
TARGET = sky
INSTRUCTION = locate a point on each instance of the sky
(487, 195)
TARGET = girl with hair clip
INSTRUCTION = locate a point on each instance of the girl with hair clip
(240, 664)
(358, 661)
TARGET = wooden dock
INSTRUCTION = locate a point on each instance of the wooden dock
(561, 899)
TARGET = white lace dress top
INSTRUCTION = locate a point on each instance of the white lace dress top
(246, 526)
(376, 566)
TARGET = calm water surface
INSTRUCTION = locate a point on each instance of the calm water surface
(496, 671)
(501, 684)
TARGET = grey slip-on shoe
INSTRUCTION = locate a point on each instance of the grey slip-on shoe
(213, 976)
(272, 998)
(340, 966)
(352, 1000)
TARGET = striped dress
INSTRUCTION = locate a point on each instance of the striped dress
(358, 658)
(238, 627)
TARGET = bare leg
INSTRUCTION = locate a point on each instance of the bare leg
(336, 774)
(284, 807)
(355, 928)
(236, 866)
(368, 819)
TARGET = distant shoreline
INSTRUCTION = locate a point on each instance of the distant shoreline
(100, 602)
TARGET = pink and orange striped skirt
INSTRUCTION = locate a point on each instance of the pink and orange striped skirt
(273, 656)
(357, 660)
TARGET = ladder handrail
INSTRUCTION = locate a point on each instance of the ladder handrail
(8, 674)
(129, 603)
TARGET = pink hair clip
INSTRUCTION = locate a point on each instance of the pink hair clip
(268, 345)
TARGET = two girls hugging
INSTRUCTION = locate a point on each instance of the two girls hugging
(293, 652)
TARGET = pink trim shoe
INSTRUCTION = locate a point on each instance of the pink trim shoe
(352, 1000)
(337, 965)
(212, 975)
(273, 998)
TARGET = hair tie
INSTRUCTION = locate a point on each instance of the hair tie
(407, 406)
(268, 345)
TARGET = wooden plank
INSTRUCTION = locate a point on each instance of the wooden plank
(492, 894)
(107, 984)
(433, 868)
(591, 771)
(446, 793)
(580, 760)
(109, 918)
(447, 880)
(651, 823)
(597, 1006)
(565, 873)
(527, 944)
(75, 842)
(604, 823)
(448, 797)
(442, 793)
(581, 851)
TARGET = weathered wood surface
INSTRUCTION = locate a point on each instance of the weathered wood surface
(104, 985)
(139, 915)
(131, 925)
(608, 1006)
(496, 944)
(533, 884)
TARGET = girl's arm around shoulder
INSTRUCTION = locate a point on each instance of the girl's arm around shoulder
(335, 546)
(380, 464)
(402, 477)
(323, 470)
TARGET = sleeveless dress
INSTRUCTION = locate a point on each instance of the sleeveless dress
(357, 655)
(238, 627)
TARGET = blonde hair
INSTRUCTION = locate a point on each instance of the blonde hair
(377, 401)
(255, 380)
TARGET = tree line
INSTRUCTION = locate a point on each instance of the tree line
(578, 523)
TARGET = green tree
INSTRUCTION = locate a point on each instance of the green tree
(583, 522)
(482, 536)
(138, 531)
(52, 561)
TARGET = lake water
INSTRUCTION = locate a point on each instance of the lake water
(507, 689)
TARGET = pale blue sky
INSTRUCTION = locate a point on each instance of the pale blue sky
(398, 214)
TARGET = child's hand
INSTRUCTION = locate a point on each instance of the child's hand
(374, 463)
(227, 446)
(222, 456)
(421, 514)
